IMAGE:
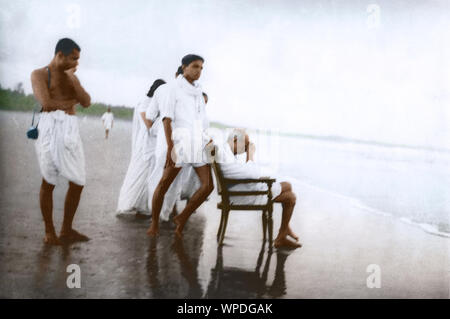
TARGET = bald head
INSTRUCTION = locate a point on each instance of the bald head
(239, 141)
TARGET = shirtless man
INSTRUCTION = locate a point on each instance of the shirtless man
(58, 146)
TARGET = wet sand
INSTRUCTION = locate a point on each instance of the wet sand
(339, 240)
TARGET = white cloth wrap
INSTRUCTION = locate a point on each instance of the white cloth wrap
(134, 192)
(59, 148)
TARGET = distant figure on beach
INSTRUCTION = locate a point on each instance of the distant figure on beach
(239, 142)
(108, 121)
(133, 195)
(184, 120)
(58, 147)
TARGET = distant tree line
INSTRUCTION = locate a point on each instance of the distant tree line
(16, 100)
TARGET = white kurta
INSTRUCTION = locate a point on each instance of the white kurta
(185, 105)
(59, 149)
(232, 168)
(133, 193)
(108, 118)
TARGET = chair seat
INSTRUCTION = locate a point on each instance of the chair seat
(242, 207)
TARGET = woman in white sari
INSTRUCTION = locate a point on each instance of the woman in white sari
(133, 193)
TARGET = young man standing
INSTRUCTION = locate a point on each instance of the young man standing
(58, 147)
(184, 119)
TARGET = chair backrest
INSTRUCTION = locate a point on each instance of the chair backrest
(222, 189)
(219, 177)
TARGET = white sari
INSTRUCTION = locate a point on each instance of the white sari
(134, 191)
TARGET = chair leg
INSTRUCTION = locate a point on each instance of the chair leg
(264, 223)
(225, 221)
(270, 226)
(219, 231)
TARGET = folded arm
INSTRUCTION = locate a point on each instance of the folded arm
(82, 96)
(42, 94)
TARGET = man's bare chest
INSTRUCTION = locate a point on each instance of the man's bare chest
(61, 88)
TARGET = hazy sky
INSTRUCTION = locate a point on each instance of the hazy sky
(375, 70)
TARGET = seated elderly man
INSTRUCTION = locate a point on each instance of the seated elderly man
(238, 143)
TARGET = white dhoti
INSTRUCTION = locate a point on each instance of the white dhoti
(59, 148)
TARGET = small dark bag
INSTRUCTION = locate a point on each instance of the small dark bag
(33, 131)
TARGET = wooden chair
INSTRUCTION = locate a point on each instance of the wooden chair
(226, 205)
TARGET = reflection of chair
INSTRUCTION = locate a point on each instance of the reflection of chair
(226, 205)
(233, 282)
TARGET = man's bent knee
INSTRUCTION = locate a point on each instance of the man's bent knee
(292, 198)
(206, 189)
(210, 187)
(286, 187)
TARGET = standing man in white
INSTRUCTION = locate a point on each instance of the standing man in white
(108, 121)
(184, 120)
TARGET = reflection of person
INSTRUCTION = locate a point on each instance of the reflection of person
(133, 193)
(171, 264)
(108, 121)
(58, 147)
(183, 110)
(239, 143)
(188, 270)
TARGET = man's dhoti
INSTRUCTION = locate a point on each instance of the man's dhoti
(59, 148)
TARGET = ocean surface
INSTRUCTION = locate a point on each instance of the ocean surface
(404, 182)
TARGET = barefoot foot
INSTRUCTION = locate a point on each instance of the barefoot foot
(71, 236)
(51, 239)
(292, 234)
(180, 221)
(152, 231)
(286, 243)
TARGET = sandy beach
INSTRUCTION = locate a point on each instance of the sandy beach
(339, 240)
